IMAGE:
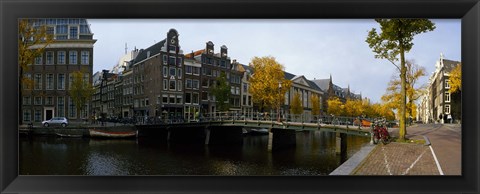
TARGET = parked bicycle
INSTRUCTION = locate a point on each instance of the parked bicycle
(380, 131)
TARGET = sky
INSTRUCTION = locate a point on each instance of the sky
(315, 48)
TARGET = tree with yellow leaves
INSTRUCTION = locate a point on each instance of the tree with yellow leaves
(335, 107)
(268, 84)
(392, 97)
(81, 90)
(456, 79)
(32, 41)
(315, 104)
(296, 108)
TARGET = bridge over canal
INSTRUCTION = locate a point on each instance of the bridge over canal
(281, 134)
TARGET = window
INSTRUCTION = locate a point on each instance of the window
(173, 85)
(50, 81)
(173, 71)
(27, 86)
(38, 115)
(447, 83)
(61, 82)
(70, 80)
(179, 74)
(179, 61)
(38, 60)
(71, 108)
(72, 59)
(27, 100)
(196, 70)
(223, 64)
(196, 84)
(447, 109)
(60, 107)
(38, 100)
(195, 98)
(38, 81)
(188, 70)
(204, 96)
(165, 59)
(171, 99)
(245, 87)
(49, 58)
(179, 99)
(27, 116)
(165, 99)
(49, 101)
(179, 82)
(62, 29)
(188, 84)
(165, 84)
(61, 57)
(447, 96)
(172, 48)
(165, 71)
(188, 98)
(244, 98)
(171, 61)
(85, 58)
(73, 32)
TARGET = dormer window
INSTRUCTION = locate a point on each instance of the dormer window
(172, 48)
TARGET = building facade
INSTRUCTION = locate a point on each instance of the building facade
(52, 71)
(441, 104)
(332, 90)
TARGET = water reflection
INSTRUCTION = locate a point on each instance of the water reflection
(314, 154)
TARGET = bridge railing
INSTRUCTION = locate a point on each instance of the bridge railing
(264, 116)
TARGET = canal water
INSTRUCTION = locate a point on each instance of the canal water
(314, 154)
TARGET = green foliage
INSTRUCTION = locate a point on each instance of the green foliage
(221, 91)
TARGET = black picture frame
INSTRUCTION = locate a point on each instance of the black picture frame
(467, 10)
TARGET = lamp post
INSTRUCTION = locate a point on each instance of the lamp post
(279, 100)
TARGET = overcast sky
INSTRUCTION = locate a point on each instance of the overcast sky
(315, 48)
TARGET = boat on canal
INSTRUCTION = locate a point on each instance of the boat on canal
(69, 135)
(112, 134)
(262, 131)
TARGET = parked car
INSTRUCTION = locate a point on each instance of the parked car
(62, 121)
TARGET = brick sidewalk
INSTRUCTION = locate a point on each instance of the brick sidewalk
(398, 159)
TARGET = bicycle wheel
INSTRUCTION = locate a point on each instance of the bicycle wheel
(376, 138)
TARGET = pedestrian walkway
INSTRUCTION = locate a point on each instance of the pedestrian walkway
(399, 159)
(441, 155)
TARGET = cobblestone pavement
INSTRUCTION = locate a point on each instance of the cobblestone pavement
(417, 159)
(399, 159)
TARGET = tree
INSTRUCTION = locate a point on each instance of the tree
(32, 41)
(268, 84)
(455, 90)
(395, 39)
(81, 90)
(353, 108)
(456, 79)
(393, 96)
(296, 107)
(221, 91)
(315, 104)
(335, 106)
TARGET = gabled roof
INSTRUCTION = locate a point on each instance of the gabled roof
(323, 84)
(449, 65)
(154, 49)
